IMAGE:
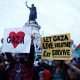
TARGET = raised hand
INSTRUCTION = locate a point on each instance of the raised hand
(26, 2)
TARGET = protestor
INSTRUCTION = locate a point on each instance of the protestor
(47, 74)
(56, 71)
(3, 69)
(41, 72)
(37, 70)
(59, 71)
(21, 69)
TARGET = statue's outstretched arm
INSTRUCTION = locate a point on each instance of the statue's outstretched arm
(27, 5)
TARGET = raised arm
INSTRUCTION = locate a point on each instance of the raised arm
(31, 54)
(77, 70)
(27, 5)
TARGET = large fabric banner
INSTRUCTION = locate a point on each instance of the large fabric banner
(17, 40)
(57, 47)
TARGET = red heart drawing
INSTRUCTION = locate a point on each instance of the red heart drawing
(16, 38)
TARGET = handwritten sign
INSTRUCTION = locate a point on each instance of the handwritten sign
(17, 40)
(57, 47)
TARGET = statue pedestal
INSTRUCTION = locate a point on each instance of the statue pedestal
(35, 30)
(34, 26)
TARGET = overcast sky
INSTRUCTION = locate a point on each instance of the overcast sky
(54, 16)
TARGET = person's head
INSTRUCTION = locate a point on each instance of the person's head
(57, 63)
(32, 5)
(21, 57)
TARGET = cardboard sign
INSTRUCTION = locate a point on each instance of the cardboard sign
(57, 47)
(17, 40)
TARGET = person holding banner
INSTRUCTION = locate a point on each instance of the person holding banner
(21, 69)
(59, 71)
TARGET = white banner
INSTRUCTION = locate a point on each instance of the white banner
(17, 40)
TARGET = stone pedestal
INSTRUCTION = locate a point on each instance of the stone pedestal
(35, 31)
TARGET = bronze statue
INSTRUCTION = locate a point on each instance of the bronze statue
(33, 12)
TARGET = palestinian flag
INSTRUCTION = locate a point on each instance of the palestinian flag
(78, 50)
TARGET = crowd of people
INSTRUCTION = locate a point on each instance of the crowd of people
(57, 70)
(23, 66)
